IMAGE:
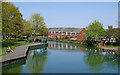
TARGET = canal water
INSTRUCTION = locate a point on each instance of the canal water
(66, 58)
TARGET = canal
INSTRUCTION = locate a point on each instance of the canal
(66, 58)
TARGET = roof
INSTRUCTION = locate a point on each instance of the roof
(74, 30)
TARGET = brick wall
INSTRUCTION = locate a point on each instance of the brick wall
(81, 35)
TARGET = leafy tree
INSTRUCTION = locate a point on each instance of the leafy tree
(113, 33)
(11, 20)
(95, 31)
(27, 29)
(38, 24)
(0, 26)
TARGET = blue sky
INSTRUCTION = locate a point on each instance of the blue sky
(72, 14)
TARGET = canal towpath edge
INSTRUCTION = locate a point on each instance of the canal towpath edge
(19, 52)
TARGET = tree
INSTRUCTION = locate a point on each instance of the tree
(11, 20)
(27, 29)
(38, 24)
(113, 33)
(0, 17)
(95, 31)
(0, 22)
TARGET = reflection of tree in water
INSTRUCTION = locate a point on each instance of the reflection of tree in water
(36, 61)
(95, 60)
(13, 68)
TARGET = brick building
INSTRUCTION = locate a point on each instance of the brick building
(67, 33)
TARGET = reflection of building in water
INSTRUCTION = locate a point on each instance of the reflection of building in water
(54, 45)
(50, 45)
(58, 45)
(75, 47)
(66, 45)
(70, 47)
(107, 52)
(82, 48)
(110, 53)
(62, 45)
(100, 50)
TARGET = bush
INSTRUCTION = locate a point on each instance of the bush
(26, 41)
(52, 39)
(29, 40)
(6, 43)
(21, 39)
(116, 44)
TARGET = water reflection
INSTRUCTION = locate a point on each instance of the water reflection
(64, 46)
(36, 60)
(71, 47)
(13, 68)
(96, 59)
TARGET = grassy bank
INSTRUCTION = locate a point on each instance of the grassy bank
(13, 44)
(112, 46)
(66, 41)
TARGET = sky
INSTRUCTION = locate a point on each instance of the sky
(72, 14)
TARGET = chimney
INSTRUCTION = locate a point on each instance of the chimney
(110, 27)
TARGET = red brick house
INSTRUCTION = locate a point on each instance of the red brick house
(67, 33)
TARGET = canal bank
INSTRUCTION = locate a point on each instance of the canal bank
(20, 53)
(111, 49)
(65, 58)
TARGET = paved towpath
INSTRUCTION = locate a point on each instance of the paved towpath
(18, 53)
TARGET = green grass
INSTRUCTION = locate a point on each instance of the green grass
(111, 46)
(13, 44)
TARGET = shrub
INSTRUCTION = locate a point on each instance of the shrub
(6, 43)
(52, 39)
(29, 40)
(26, 41)
(116, 44)
(21, 39)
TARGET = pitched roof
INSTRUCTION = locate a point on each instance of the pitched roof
(74, 30)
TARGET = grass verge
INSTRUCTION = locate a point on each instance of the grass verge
(13, 44)
(111, 46)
